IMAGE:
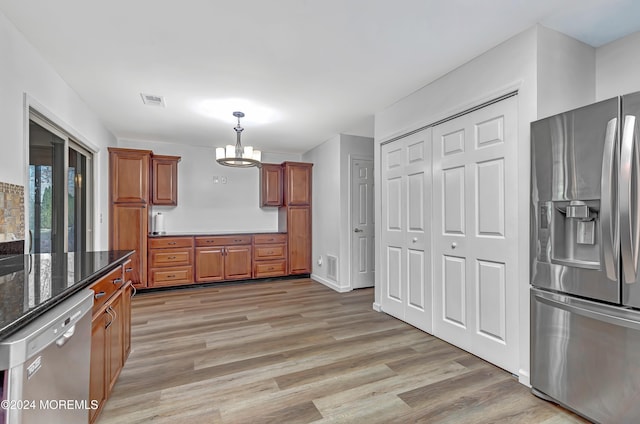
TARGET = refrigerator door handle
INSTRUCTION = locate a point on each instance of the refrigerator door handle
(629, 214)
(585, 308)
(608, 199)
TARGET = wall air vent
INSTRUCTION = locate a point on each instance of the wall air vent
(332, 268)
(152, 100)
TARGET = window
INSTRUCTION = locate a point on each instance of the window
(60, 190)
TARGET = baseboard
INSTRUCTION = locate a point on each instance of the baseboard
(331, 284)
(523, 378)
(377, 307)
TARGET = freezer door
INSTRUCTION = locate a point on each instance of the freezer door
(629, 198)
(574, 225)
(584, 355)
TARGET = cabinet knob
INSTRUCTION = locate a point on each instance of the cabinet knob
(454, 245)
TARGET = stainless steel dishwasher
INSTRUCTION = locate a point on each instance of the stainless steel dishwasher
(46, 366)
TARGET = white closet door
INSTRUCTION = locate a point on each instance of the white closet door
(474, 229)
(405, 237)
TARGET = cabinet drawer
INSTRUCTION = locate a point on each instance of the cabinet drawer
(269, 238)
(270, 269)
(169, 242)
(170, 257)
(171, 276)
(269, 251)
(105, 287)
(223, 240)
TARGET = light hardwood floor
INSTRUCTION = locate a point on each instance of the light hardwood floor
(294, 351)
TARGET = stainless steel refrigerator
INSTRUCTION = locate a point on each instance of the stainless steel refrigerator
(585, 246)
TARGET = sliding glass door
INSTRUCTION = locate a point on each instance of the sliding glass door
(60, 175)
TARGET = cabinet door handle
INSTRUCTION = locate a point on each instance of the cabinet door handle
(112, 316)
(117, 281)
(209, 241)
(171, 276)
(171, 243)
(171, 257)
(128, 269)
(99, 295)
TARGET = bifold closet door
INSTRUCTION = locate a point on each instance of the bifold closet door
(405, 271)
(474, 232)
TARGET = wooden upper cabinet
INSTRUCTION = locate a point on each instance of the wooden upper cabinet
(164, 180)
(270, 185)
(297, 183)
(129, 175)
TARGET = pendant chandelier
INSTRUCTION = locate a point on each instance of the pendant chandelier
(238, 156)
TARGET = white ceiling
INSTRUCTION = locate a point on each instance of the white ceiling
(322, 67)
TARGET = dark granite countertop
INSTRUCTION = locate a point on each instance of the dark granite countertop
(32, 284)
(211, 233)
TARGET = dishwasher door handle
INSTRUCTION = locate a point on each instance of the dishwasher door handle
(66, 336)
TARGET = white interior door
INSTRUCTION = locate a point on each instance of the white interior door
(362, 225)
(406, 215)
(474, 229)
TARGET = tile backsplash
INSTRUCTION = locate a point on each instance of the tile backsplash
(11, 212)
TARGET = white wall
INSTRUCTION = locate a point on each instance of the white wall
(23, 70)
(331, 224)
(508, 66)
(566, 73)
(207, 207)
(325, 207)
(617, 67)
(538, 63)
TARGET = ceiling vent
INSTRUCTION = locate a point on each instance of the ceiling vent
(151, 100)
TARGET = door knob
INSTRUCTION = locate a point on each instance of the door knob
(454, 245)
(415, 239)
(357, 230)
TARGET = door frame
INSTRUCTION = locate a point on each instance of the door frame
(352, 159)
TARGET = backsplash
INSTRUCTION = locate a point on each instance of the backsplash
(11, 212)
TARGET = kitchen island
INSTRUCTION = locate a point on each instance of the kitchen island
(64, 332)
(30, 285)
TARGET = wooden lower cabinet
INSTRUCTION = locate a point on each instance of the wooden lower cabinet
(110, 341)
(181, 260)
(170, 261)
(299, 234)
(223, 263)
(129, 228)
(209, 264)
(98, 373)
(269, 255)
